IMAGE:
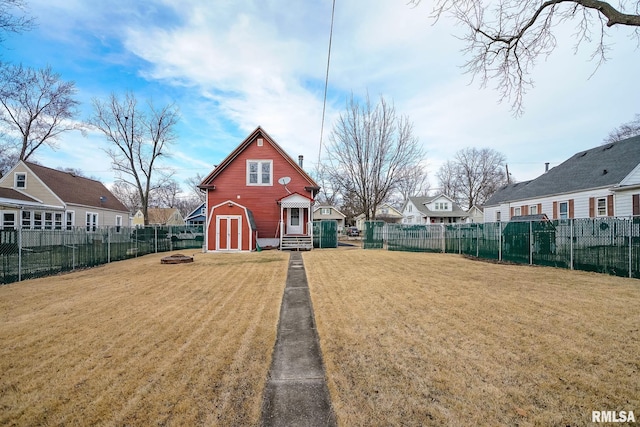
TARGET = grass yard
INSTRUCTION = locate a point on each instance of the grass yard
(436, 339)
(140, 343)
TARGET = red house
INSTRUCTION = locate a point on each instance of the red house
(259, 196)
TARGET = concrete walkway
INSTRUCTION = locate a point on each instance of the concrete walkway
(296, 393)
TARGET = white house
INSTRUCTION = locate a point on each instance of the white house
(601, 182)
(384, 212)
(439, 209)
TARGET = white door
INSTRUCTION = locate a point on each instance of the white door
(294, 221)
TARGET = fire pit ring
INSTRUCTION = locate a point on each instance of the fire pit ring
(176, 259)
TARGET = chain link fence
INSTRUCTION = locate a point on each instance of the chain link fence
(26, 254)
(604, 245)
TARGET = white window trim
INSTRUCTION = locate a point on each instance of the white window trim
(259, 183)
(533, 208)
(118, 223)
(606, 208)
(566, 202)
(73, 220)
(517, 211)
(92, 223)
(15, 180)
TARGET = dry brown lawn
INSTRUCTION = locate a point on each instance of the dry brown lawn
(140, 343)
(434, 339)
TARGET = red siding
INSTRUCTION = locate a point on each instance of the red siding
(230, 184)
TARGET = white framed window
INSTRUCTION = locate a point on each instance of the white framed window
(8, 220)
(259, 172)
(602, 206)
(118, 223)
(517, 211)
(533, 209)
(325, 211)
(563, 210)
(20, 180)
(57, 220)
(498, 216)
(48, 220)
(26, 219)
(69, 219)
(92, 221)
(410, 208)
(37, 220)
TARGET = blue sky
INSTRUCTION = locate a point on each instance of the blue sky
(231, 66)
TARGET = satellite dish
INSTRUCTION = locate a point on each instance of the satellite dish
(284, 180)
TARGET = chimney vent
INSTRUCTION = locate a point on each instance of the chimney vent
(546, 167)
(300, 159)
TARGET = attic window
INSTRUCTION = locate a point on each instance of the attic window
(259, 142)
(20, 180)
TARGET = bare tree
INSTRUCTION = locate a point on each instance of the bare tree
(37, 106)
(473, 175)
(624, 131)
(369, 149)
(193, 183)
(137, 138)
(12, 22)
(506, 37)
(127, 194)
(413, 182)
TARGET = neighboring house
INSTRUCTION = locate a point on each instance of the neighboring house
(138, 219)
(329, 212)
(601, 182)
(37, 197)
(439, 209)
(197, 216)
(259, 196)
(165, 216)
(475, 215)
(384, 212)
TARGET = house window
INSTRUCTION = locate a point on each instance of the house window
(37, 220)
(259, 172)
(92, 221)
(384, 211)
(326, 211)
(8, 220)
(48, 220)
(69, 219)
(563, 210)
(118, 223)
(498, 216)
(410, 208)
(533, 209)
(57, 220)
(20, 180)
(517, 211)
(602, 206)
(26, 219)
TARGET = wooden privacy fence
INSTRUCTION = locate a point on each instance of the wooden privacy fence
(26, 253)
(605, 245)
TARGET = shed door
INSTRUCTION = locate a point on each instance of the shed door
(228, 232)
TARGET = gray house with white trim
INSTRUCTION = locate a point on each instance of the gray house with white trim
(601, 182)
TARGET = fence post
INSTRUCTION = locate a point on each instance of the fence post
(155, 234)
(459, 240)
(630, 240)
(571, 224)
(499, 241)
(530, 242)
(477, 241)
(108, 244)
(19, 254)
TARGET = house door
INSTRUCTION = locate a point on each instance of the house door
(294, 221)
(228, 232)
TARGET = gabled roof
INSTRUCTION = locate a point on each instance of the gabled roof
(78, 190)
(317, 208)
(600, 167)
(195, 213)
(421, 204)
(243, 145)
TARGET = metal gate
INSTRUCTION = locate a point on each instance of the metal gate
(325, 234)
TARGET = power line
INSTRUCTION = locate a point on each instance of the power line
(326, 81)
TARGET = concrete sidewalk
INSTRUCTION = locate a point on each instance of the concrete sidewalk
(296, 393)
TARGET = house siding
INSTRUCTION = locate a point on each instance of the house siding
(35, 188)
(230, 184)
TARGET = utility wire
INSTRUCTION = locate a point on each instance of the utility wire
(326, 81)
